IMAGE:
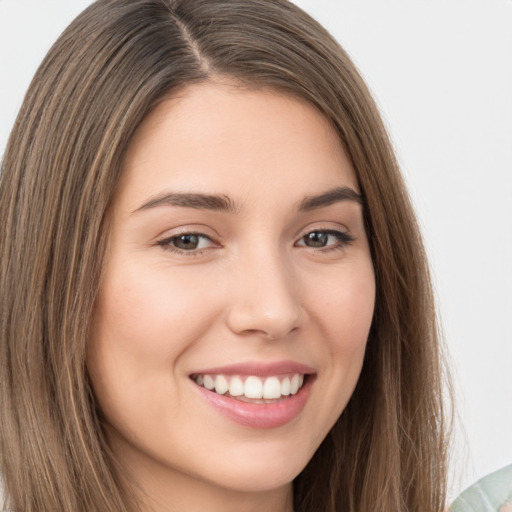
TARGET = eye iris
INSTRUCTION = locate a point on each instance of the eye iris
(186, 242)
(316, 239)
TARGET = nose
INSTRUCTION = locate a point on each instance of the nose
(265, 300)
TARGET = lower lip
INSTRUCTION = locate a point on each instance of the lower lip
(265, 415)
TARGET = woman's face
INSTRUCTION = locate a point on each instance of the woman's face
(238, 260)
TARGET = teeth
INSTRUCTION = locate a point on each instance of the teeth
(221, 384)
(253, 387)
(209, 383)
(269, 388)
(285, 386)
(236, 386)
(272, 388)
(294, 384)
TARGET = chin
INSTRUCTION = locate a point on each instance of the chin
(261, 472)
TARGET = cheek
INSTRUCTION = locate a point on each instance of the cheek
(355, 313)
(344, 309)
(147, 313)
(143, 321)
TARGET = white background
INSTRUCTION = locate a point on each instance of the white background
(441, 71)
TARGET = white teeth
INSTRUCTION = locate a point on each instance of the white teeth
(253, 387)
(285, 386)
(294, 384)
(221, 384)
(209, 383)
(270, 388)
(236, 386)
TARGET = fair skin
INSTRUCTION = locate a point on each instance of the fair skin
(271, 279)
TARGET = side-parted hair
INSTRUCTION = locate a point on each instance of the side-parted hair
(108, 70)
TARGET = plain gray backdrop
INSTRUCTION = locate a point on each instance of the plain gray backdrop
(441, 72)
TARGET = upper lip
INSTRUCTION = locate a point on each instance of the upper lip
(258, 369)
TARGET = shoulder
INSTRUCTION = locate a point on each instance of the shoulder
(493, 493)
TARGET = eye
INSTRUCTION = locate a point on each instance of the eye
(186, 242)
(325, 238)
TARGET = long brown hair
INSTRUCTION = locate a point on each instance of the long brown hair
(111, 66)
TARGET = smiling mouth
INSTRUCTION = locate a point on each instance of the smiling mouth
(252, 388)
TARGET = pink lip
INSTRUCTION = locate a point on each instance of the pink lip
(259, 415)
(259, 369)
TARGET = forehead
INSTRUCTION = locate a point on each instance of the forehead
(219, 138)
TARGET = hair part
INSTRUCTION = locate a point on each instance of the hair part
(114, 64)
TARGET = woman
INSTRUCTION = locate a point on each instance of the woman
(216, 294)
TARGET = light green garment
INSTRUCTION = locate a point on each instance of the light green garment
(490, 494)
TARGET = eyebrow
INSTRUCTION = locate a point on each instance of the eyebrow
(223, 203)
(332, 196)
(210, 202)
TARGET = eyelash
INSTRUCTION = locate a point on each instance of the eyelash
(343, 239)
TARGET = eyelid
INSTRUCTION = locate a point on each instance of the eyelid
(187, 229)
